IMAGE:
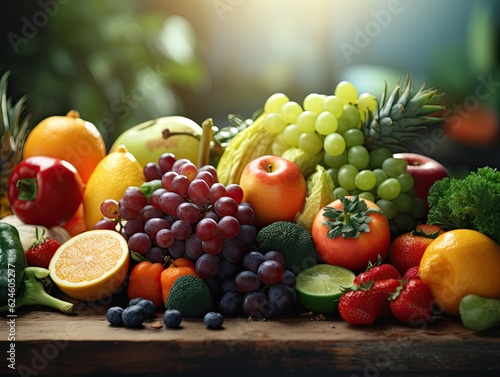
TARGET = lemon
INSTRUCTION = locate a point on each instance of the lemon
(319, 287)
(458, 263)
(109, 180)
(92, 265)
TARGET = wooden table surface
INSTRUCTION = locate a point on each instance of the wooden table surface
(49, 343)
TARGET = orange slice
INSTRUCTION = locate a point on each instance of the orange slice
(91, 266)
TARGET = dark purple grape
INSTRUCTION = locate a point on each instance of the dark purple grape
(169, 201)
(228, 285)
(211, 170)
(213, 246)
(228, 270)
(166, 161)
(247, 234)
(230, 303)
(276, 256)
(245, 214)
(206, 229)
(247, 281)
(193, 247)
(155, 254)
(152, 171)
(233, 250)
(211, 215)
(257, 305)
(189, 212)
(181, 229)
(154, 225)
(105, 224)
(164, 238)
(155, 197)
(139, 242)
(198, 191)
(207, 266)
(217, 191)
(235, 192)
(289, 278)
(177, 164)
(166, 180)
(133, 199)
(206, 176)
(252, 260)
(226, 206)
(150, 212)
(228, 227)
(282, 298)
(180, 185)
(177, 249)
(270, 272)
(133, 226)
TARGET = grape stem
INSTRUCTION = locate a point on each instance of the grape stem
(349, 221)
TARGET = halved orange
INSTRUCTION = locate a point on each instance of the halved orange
(92, 265)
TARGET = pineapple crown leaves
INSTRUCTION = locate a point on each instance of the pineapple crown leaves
(402, 115)
(14, 131)
(351, 220)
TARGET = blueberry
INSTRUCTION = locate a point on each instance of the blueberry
(213, 320)
(135, 301)
(172, 318)
(114, 315)
(133, 316)
(149, 307)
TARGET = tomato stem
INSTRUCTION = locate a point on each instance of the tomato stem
(349, 221)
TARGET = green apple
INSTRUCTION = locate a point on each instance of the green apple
(147, 141)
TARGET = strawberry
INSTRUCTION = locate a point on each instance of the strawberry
(41, 251)
(387, 288)
(360, 304)
(411, 273)
(377, 271)
(412, 302)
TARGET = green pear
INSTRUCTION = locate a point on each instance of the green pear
(147, 141)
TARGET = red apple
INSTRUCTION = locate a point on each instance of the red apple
(274, 187)
(425, 172)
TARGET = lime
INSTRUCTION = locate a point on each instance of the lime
(319, 287)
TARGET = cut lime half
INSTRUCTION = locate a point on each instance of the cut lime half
(319, 287)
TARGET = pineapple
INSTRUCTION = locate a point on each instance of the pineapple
(13, 133)
(401, 117)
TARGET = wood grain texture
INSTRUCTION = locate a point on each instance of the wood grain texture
(52, 344)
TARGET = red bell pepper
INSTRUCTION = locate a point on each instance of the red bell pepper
(45, 191)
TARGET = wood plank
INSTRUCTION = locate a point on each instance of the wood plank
(50, 343)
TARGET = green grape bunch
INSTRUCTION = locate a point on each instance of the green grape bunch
(352, 135)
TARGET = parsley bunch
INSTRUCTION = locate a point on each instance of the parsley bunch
(472, 202)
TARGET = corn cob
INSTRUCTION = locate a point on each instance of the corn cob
(252, 142)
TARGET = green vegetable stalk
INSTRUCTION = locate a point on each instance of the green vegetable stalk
(32, 292)
(21, 285)
(472, 202)
(479, 313)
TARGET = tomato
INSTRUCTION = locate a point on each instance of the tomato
(407, 249)
(350, 232)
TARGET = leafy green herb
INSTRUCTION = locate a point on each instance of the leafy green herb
(472, 202)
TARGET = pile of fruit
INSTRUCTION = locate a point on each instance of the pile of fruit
(309, 207)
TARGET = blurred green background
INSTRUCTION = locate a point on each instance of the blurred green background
(122, 62)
